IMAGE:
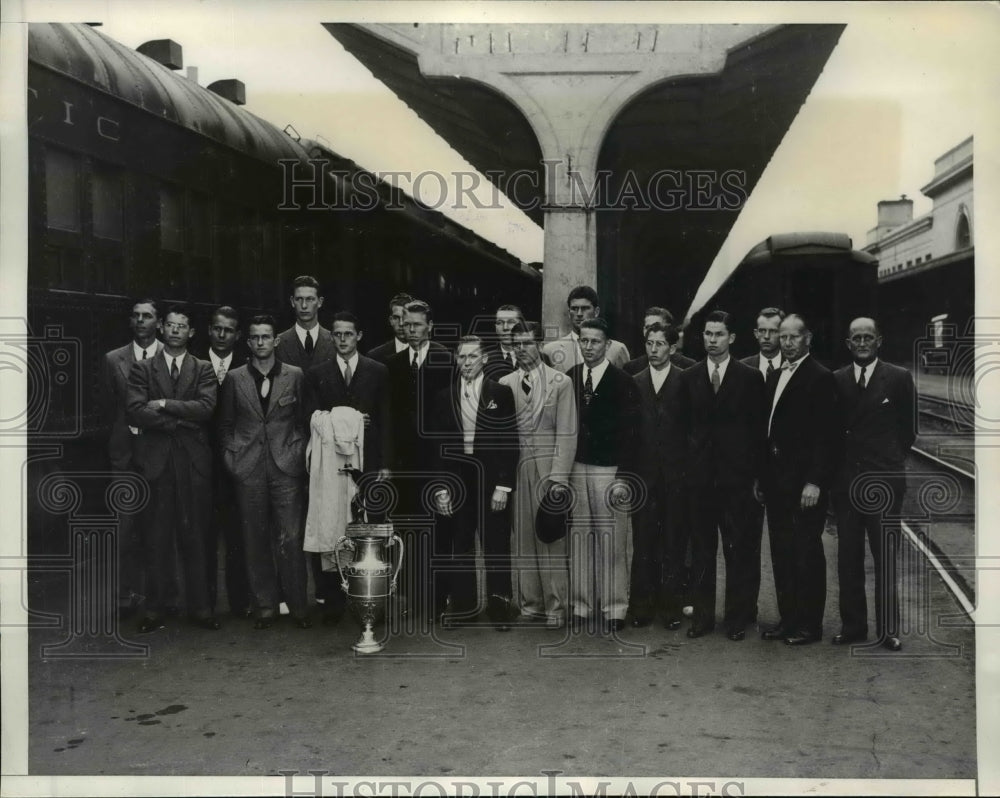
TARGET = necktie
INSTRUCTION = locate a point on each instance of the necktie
(221, 372)
(145, 354)
(526, 384)
(716, 379)
(347, 373)
(309, 343)
(414, 365)
(770, 369)
(265, 387)
(174, 371)
(861, 379)
(588, 389)
(513, 361)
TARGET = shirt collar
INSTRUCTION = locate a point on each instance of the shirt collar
(216, 360)
(722, 366)
(421, 353)
(791, 365)
(474, 387)
(352, 361)
(170, 358)
(401, 346)
(301, 332)
(597, 372)
(775, 360)
(149, 350)
(869, 369)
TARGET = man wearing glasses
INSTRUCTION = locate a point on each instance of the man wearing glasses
(877, 425)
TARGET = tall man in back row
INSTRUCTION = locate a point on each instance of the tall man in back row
(877, 406)
(397, 343)
(565, 352)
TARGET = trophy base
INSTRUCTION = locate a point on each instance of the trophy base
(367, 644)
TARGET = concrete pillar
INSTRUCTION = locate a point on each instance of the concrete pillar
(570, 82)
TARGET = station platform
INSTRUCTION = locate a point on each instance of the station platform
(648, 703)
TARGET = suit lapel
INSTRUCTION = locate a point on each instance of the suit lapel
(281, 383)
(249, 389)
(186, 377)
(162, 376)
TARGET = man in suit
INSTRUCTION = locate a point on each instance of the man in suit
(600, 551)
(501, 358)
(398, 342)
(564, 353)
(546, 428)
(353, 380)
(476, 442)
(416, 377)
(663, 317)
(170, 400)
(660, 527)
(801, 440)
(304, 345)
(722, 406)
(877, 411)
(145, 323)
(768, 359)
(224, 355)
(264, 440)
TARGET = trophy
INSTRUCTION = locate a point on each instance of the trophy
(369, 578)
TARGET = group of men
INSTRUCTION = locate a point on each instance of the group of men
(651, 459)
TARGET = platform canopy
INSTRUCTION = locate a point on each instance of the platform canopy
(676, 125)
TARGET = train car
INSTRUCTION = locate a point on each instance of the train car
(818, 275)
(144, 183)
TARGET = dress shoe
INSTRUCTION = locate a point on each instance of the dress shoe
(892, 643)
(613, 625)
(802, 638)
(846, 638)
(209, 622)
(147, 625)
(301, 622)
(640, 621)
(736, 635)
(672, 624)
(263, 623)
(774, 633)
(698, 630)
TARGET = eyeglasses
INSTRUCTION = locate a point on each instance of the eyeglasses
(862, 339)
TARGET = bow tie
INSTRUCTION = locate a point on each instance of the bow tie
(789, 366)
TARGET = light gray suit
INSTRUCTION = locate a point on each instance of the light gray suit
(265, 453)
(547, 429)
(564, 353)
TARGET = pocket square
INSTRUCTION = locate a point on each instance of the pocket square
(492, 405)
(287, 399)
(885, 401)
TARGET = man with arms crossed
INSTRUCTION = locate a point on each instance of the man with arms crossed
(170, 400)
(546, 427)
(264, 441)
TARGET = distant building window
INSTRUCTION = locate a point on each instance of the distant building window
(909, 263)
(62, 191)
(963, 234)
(171, 219)
(928, 257)
(106, 198)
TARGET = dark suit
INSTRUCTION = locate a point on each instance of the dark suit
(383, 352)
(498, 364)
(113, 400)
(637, 364)
(174, 455)
(599, 552)
(800, 450)
(265, 453)
(724, 456)
(754, 362)
(225, 522)
(414, 454)
(877, 428)
(491, 463)
(660, 529)
(289, 348)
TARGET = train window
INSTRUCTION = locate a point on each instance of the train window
(442, 283)
(62, 191)
(106, 201)
(200, 224)
(171, 219)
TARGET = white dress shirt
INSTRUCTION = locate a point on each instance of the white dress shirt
(468, 397)
(352, 362)
(400, 346)
(217, 361)
(171, 358)
(762, 364)
(659, 376)
(595, 373)
(301, 332)
(722, 368)
(149, 350)
(421, 354)
(787, 369)
(869, 368)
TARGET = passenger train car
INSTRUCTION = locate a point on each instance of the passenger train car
(818, 275)
(144, 183)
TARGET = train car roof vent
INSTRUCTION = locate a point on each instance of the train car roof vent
(233, 90)
(164, 51)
